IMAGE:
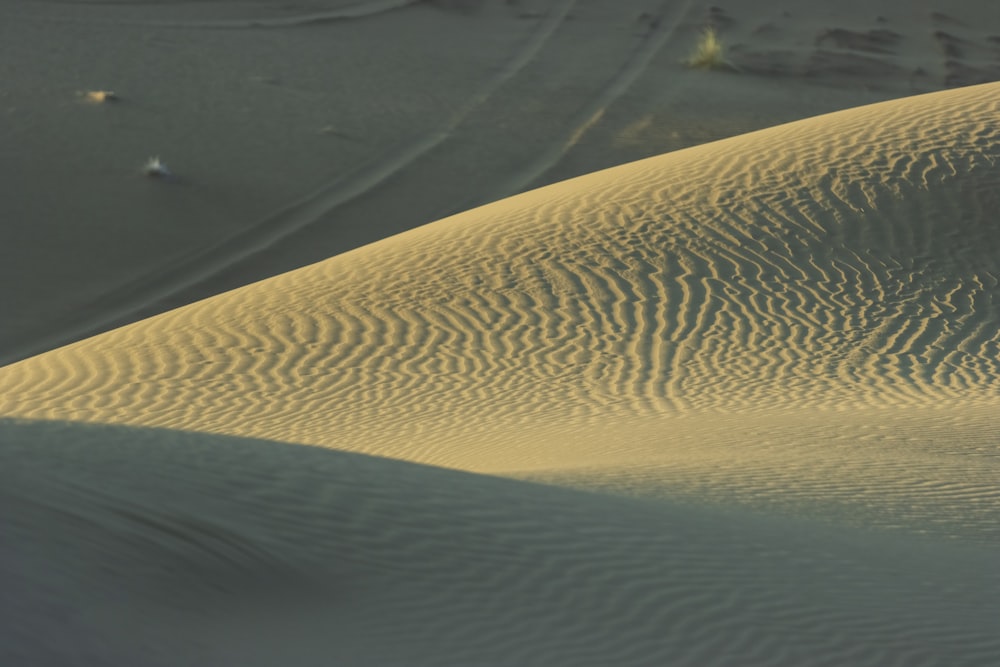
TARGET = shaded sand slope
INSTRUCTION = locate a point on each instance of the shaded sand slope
(148, 547)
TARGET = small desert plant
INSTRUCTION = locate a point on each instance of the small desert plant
(707, 53)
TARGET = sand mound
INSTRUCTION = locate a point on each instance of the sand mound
(842, 262)
(136, 546)
(802, 320)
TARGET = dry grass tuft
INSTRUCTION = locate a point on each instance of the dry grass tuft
(100, 96)
(708, 53)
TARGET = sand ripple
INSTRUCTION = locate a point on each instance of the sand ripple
(846, 261)
(802, 321)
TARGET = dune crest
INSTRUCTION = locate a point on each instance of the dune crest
(840, 262)
(784, 320)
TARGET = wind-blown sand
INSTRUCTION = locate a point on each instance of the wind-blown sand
(784, 345)
(734, 404)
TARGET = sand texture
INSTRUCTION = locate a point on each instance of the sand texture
(166, 547)
(833, 264)
(490, 333)
(732, 405)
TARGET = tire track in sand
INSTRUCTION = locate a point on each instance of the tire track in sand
(668, 19)
(361, 10)
(119, 304)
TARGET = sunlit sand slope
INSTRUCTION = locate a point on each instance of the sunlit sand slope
(844, 261)
(145, 547)
(803, 320)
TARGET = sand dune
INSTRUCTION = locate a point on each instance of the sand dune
(734, 404)
(843, 262)
(145, 547)
(784, 343)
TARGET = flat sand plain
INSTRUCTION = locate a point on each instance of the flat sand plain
(733, 402)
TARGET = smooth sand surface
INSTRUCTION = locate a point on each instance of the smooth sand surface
(735, 404)
(782, 345)
(299, 130)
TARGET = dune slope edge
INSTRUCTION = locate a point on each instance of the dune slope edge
(844, 261)
(801, 318)
(126, 546)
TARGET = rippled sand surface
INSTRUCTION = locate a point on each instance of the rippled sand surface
(732, 405)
